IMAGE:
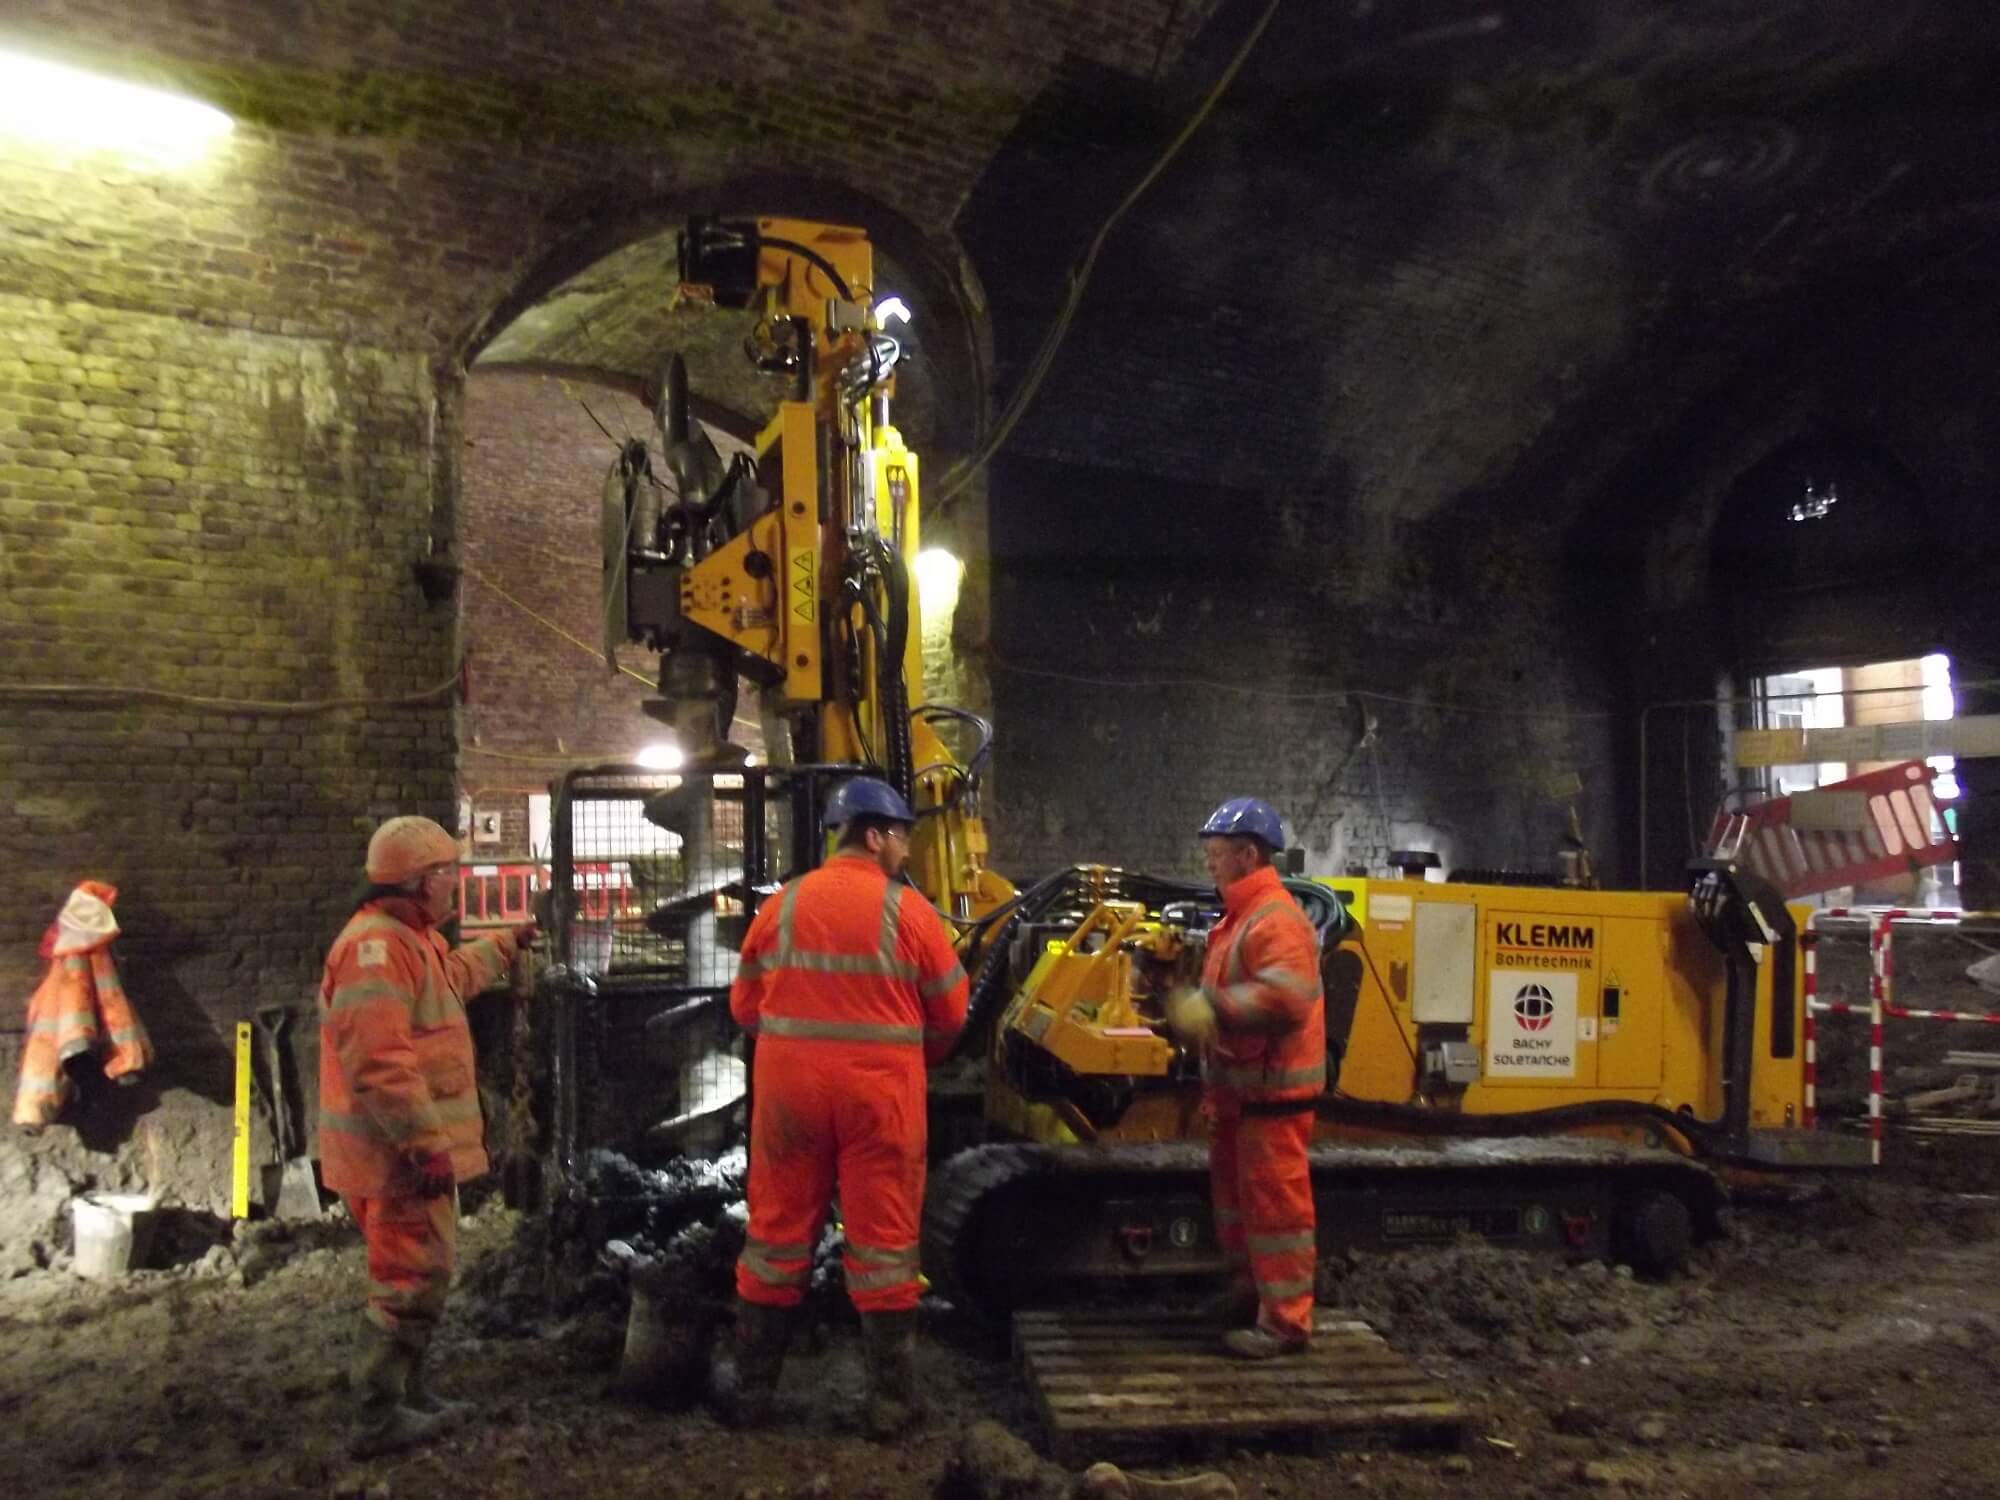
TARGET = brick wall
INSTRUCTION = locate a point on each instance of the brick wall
(206, 513)
(1157, 648)
(533, 469)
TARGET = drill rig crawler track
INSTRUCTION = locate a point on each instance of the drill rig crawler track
(1016, 1225)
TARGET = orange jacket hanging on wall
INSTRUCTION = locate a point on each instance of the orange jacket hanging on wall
(80, 1006)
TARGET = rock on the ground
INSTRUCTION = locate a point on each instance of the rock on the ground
(1109, 1482)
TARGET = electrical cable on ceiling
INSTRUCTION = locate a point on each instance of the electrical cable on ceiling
(593, 417)
(961, 474)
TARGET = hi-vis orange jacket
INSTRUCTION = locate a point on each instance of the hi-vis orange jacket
(846, 956)
(396, 1075)
(1262, 976)
(80, 1006)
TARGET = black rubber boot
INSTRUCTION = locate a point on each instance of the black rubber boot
(889, 1342)
(761, 1335)
(388, 1424)
(419, 1397)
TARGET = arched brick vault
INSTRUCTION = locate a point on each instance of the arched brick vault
(599, 312)
(930, 268)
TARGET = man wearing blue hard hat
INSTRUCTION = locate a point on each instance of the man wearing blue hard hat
(851, 987)
(1260, 1019)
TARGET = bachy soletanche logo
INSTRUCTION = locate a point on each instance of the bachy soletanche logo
(1534, 1007)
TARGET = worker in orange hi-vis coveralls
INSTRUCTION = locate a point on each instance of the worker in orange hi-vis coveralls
(1260, 1016)
(399, 1120)
(80, 1006)
(850, 986)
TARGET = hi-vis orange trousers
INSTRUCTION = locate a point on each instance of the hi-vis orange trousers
(1262, 1189)
(827, 1118)
(412, 1248)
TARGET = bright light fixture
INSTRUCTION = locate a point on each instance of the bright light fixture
(661, 757)
(66, 108)
(891, 309)
(938, 575)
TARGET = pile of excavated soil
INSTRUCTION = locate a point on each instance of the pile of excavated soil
(1474, 1302)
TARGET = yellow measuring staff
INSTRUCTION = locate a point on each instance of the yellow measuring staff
(239, 1151)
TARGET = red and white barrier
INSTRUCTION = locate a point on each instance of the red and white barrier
(1882, 922)
(1906, 1013)
(1809, 952)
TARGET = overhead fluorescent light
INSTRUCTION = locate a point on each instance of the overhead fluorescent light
(64, 108)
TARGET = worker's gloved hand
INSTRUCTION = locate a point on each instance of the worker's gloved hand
(432, 1169)
(1191, 1017)
(525, 934)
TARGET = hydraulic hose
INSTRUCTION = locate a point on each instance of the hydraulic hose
(895, 691)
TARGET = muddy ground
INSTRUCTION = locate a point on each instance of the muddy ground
(1845, 1343)
(1842, 1341)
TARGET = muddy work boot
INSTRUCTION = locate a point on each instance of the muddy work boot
(1261, 1343)
(889, 1344)
(761, 1335)
(419, 1397)
(388, 1423)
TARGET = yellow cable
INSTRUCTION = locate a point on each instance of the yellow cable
(547, 623)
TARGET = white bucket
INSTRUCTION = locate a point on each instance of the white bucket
(112, 1232)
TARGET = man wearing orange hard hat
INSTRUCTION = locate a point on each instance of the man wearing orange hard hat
(399, 1121)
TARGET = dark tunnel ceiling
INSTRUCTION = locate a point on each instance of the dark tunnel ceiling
(1419, 239)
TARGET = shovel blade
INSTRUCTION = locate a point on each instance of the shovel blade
(298, 1191)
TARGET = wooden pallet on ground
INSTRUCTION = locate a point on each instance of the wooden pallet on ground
(1115, 1383)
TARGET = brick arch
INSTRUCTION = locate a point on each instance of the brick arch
(957, 341)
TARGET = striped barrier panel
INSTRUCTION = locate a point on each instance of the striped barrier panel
(1882, 922)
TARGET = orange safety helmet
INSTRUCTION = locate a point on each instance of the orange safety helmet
(403, 846)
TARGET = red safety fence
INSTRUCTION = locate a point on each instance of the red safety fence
(503, 895)
(1895, 829)
(498, 895)
(1882, 923)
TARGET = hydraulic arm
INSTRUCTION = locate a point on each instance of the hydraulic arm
(787, 567)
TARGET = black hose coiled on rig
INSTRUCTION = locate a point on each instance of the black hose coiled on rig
(899, 752)
(989, 989)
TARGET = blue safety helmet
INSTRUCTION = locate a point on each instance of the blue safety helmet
(865, 797)
(1246, 818)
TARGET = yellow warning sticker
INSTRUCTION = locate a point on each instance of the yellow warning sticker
(804, 584)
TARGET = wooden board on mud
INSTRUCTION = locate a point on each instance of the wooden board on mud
(1119, 1383)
